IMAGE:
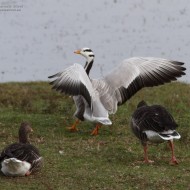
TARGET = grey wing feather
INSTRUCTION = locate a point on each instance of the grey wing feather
(132, 75)
(74, 81)
(108, 95)
(11, 150)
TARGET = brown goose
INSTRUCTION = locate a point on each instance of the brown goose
(154, 124)
(95, 99)
(22, 158)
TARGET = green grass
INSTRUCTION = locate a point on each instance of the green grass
(111, 160)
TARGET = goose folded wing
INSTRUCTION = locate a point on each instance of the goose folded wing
(148, 119)
(138, 72)
(73, 81)
(13, 151)
(153, 123)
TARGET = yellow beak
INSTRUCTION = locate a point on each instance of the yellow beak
(77, 51)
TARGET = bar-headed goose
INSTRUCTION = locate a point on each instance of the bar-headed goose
(95, 99)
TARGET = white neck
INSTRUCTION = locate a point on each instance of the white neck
(89, 59)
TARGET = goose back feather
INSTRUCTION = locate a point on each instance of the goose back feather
(153, 123)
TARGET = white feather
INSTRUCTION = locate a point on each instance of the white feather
(158, 138)
(15, 167)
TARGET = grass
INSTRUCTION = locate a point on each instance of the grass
(111, 160)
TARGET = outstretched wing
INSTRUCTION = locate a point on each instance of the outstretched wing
(138, 72)
(74, 81)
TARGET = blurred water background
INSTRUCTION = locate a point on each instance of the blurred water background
(38, 38)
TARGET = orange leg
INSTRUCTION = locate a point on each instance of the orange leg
(146, 160)
(95, 131)
(73, 128)
(173, 160)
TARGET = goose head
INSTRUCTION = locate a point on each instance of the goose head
(24, 131)
(86, 52)
(89, 55)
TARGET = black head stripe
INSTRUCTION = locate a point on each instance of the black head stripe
(87, 50)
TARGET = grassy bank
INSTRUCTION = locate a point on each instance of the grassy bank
(111, 160)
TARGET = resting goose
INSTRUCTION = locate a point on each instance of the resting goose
(20, 159)
(154, 124)
(95, 99)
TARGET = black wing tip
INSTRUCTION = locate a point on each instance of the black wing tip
(182, 68)
(55, 75)
(177, 62)
(52, 76)
(52, 82)
(183, 73)
(179, 67)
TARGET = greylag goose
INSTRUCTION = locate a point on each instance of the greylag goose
(154, 124)
(22, 158)
(95, 99)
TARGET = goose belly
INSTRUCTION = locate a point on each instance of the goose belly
(15, 167)
(98, 116)
(153, 137)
